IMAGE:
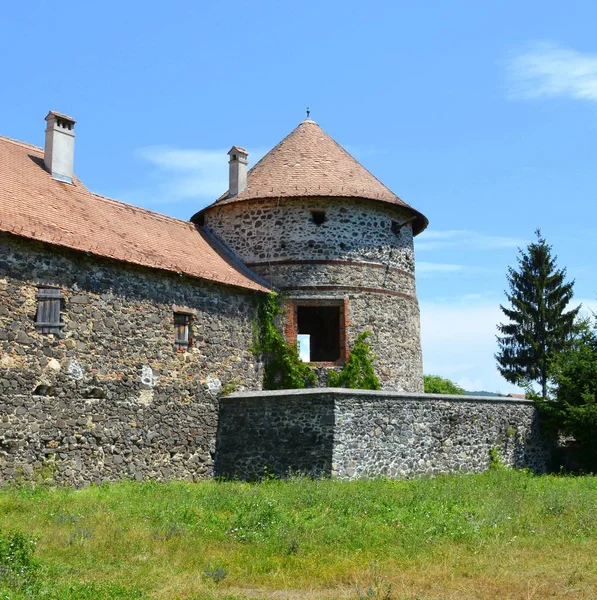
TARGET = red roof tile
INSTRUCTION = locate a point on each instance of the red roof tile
(36, 206)
(308, 162)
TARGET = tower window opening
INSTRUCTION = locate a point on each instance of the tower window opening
(322, 325)
(318, 217)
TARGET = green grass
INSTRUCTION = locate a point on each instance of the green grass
(501, 534)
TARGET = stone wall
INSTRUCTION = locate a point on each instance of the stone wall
(356, 433)
(110, 396)
(262, 231)
(395, 339)
(353, 256)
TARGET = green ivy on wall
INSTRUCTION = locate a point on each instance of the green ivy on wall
(358, 371)
(284, 370)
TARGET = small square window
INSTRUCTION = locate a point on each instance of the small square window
(49, 303)
(396, 227)
(182, 331)
(318, 217)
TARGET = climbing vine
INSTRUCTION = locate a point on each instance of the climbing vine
(358, 371)
(284, 370)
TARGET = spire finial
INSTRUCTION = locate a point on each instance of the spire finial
(308, 112)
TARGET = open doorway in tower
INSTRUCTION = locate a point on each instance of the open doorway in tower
(320, 328)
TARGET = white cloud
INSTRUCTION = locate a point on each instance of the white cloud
(546, 69)
(428, 269)
(458, 338)
(183, 175)
(465, 239)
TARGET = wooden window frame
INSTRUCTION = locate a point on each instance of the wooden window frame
(48, 318)
(291, 329)
(183, 320)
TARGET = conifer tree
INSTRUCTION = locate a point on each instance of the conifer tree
(538, 328)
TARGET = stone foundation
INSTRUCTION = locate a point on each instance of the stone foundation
(80, 441)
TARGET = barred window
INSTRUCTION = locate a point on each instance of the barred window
(182, 331)
(49, 303)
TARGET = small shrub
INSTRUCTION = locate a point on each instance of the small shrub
(216, 574)
(358, 371)
(496, 462)
(18, 567)
(79, 535)
(230, 387)
(172, 530)
(573, 409)
(378, 588)
(292, 547)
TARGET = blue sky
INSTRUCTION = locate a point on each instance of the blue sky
(482, 117)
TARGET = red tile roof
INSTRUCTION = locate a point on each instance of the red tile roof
(36, 206)
(308, 162)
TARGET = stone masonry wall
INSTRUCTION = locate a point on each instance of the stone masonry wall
(110, 396)
(354, 256)
(270, 230)
(356, 433)
(394, 323)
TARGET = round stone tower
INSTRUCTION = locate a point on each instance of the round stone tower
(320, 228)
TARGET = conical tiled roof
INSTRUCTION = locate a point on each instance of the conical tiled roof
(308, 162)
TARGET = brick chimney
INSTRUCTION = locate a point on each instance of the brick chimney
(59, 152)
(238, 170)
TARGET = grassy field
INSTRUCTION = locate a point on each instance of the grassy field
(502, 534)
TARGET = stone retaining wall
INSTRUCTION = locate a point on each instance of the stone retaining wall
(357, 433)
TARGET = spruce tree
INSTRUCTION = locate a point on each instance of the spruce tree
(539, 327)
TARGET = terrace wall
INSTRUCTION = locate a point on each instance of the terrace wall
(357, 433)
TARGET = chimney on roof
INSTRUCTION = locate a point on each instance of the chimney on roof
(59, 152)
(238, 170)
